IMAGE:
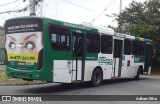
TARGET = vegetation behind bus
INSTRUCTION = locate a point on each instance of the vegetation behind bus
(144, 24)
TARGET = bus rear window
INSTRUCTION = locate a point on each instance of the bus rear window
(59, 38)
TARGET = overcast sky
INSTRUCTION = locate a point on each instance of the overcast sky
(74, 11)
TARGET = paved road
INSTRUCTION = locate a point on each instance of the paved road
(147, 85)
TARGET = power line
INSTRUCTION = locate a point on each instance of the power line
(11, 11)
(26, 5)
(16, 5)
(106, 8)
(78, 6)
(9, 3)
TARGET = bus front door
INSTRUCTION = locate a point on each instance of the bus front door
(117, 58)
(78, 56)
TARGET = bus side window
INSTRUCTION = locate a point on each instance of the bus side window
(59, 38)
(127, 47)
(106, 44)
(63, 42)
(141, 48)
(93, 42)
(135, 47)
(53, 40)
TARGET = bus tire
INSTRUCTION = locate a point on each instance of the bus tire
(97, 78)
(138, 74)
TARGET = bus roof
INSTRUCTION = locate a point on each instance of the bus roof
(102, 30)
(24, 17)
(72, 25)
(86, 26)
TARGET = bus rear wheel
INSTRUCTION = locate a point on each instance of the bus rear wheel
(97, 78)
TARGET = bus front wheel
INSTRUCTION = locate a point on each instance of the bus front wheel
(138, 74)
(97, 78)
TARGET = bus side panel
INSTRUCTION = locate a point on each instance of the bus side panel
(136, 66)
(126, 59)
(106, 62)
(89, 68)
(47, 56)
(138, 61)
(62, 71)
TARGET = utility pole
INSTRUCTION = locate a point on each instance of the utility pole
(32, 7)
(120, 7)
(33, 4)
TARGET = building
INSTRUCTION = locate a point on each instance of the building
(2, 42)
(2, 37)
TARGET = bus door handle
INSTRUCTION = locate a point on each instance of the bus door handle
(128, 63)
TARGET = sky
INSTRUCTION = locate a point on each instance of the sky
(73, 11)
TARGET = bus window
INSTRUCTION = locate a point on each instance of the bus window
(59, 37)
(106, 44)
(141, 48)
(93, 42)
(135, 47)
(127, 46)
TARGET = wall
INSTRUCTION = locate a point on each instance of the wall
(2, 37)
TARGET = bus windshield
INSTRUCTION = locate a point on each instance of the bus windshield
(23, 41)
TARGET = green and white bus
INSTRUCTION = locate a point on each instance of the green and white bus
(61, 52)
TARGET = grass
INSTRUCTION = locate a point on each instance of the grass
(3, 74)
(5, 80)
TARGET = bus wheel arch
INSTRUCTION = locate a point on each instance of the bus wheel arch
(141, 69)
(97, 76)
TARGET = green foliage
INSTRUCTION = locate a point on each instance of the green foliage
(5, 80)
(141, 19)
(3, 74)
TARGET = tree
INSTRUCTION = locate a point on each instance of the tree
(143, 20)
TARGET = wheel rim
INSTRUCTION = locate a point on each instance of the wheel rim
(97, 78)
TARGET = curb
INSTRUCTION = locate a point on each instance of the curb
(21, 84)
